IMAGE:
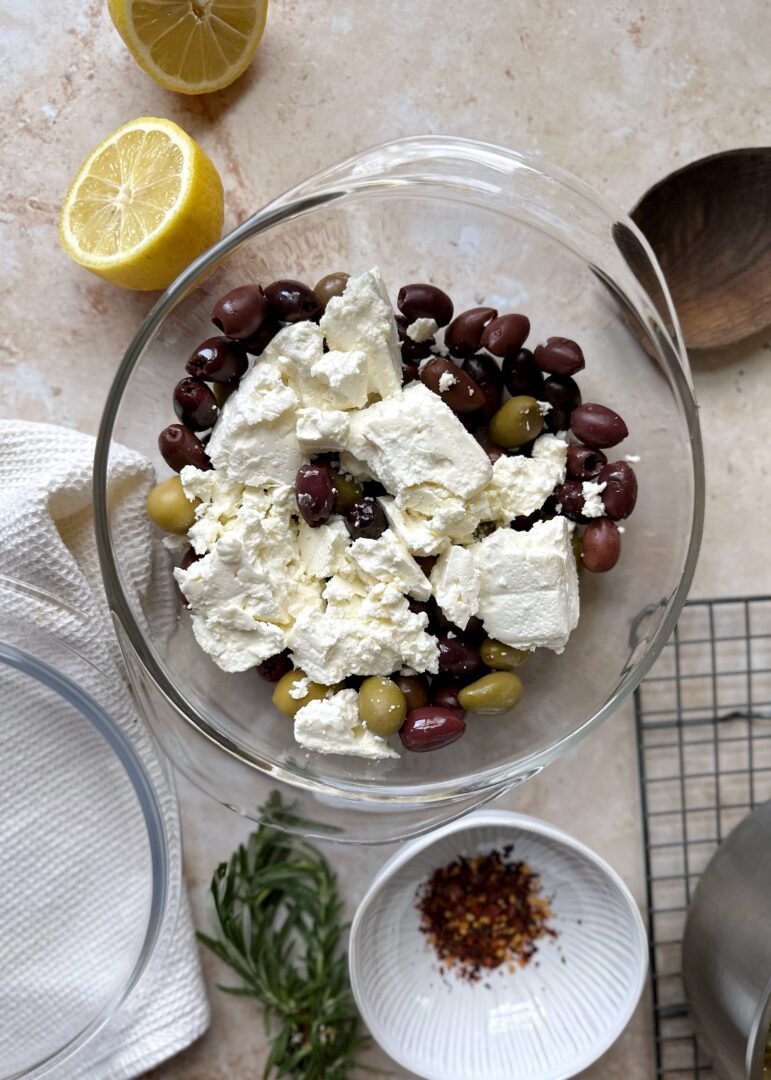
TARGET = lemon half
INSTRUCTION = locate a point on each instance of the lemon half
(145, 203)
(191, 46)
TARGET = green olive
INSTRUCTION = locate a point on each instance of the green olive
(516, 422)
(289, 705)
(494, 693)
(347, 491)
(382, 706)
(329, 286)
(502, 657)
(170, 508)
(575, 541)
(222, 391)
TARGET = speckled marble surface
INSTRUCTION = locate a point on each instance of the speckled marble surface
(619, 92)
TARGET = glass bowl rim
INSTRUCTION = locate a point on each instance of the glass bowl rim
(327, 186)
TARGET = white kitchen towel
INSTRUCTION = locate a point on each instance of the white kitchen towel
(47, 541)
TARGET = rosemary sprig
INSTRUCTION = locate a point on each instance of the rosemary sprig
(278, 922)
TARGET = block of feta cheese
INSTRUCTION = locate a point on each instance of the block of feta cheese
(321, 429)
(332, 726)
(528, 585)
(455, 581)
(362, 319)
(323, 549)
(254, 438)
(415, 440)
(388, 560)
(344, 376)
(413, 528)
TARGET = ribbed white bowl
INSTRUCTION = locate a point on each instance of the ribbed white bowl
(547, 1021)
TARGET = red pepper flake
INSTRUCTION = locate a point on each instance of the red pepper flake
(482, 912)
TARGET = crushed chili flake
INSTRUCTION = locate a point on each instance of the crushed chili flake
(484, 911)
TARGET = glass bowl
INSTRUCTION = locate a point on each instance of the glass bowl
(491, 227)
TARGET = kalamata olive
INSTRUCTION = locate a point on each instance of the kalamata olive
(563, 394)
(410, 372)
(195, 404)
(620, 494)
(458, 658)
(600, 545)
(463, 337)
(366, 518)
(505, 335)
(292, 301)
(487, 376)
(474, 631)
(347, 491)
(456, 389)
(170, 508)
(570, 497)
(526, 521)
(444, 692)
(415, 690)
(218, 359)
(518, 421)
(286, 702)
(492, 694)
(597, 426)
(180, 447)
(559, 356)
(191, 556)
(329, 286)
(382, 706)
(412, 351)
(275, 667)
(315, 494)
(373, 489)
(419, 607)
(521, 374)
(426, 563)
(222, 392)
(502, 657)
(258, 342)
(583, 463)
(239, 313)
(431, 728)
(421, 301)
(494, 452)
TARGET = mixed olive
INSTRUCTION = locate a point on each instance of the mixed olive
(503, 392)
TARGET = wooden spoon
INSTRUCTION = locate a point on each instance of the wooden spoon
(710, 227)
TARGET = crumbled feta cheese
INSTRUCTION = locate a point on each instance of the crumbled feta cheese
(388, 560)
(448, 380)
(299, 688)
(632, 458)
(321, 429)
(544, 407)
(593, 504)
(528, 586)
(332, 726)
(455, 581)
(413, 528)
(422, 330)
(323, 549)
(345, 376)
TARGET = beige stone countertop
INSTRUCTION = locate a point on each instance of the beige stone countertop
(619, 92)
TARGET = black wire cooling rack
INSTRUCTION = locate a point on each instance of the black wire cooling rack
(704, 742)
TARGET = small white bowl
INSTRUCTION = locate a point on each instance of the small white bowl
(547, 1021)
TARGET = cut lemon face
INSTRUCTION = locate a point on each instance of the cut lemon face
(191, 46)
(145, 203)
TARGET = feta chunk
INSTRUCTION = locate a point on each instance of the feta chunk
(593, 504)
(344, 377)
(455, 581)
(422, 330)
(332, 726)
(388, 560)
(528, 586)
(323, 549)
(413, 529)
(321, 429)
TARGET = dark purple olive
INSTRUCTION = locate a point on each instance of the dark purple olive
(563, 394)
(494, 452)
(414, 688)
(373, 489)
(419, 607)
(600, 545)
(292, 301)
(583, 463)
(180, 447)
(218, 359)
(188, 559)
(597, 426)
(570, 498)
(195, 404)
(275, 667)
(239, 313)
(463, 337)
(559, 356)
(458, 658)
(506, 334)
(488, 377)
(426, 563)
(456, 389)
(315, 494)
(367, 519)
(526, 521)
(410, 372)
(431, 728)
(620, 494)
(412, 350)
(421, 301)
(521, 375)
(259, 342)
(444, 693)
